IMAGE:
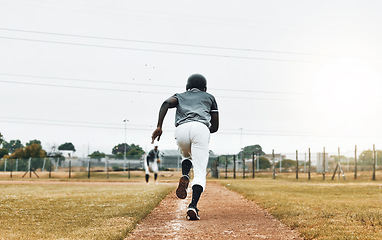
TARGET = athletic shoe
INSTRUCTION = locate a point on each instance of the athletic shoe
(192, 213)
(181, 191)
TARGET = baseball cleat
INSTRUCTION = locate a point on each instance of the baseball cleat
(192, 213)
(181, 191)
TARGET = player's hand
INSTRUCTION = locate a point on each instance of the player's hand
(158, 160)
(156, 134)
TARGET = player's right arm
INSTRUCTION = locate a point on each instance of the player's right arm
(214, 122)
(169, 103)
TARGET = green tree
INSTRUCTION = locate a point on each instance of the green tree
(3, 152)
(68, 146)
(131, 150)
(264, 163)
(12, 145)
(34, 141)
(287, 163)
(33, 151)
(1, 139)
(97, 155)
(367, 157)
(256, 149)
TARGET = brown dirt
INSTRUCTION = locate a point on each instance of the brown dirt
(224, 215)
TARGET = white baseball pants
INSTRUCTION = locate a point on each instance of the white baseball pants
(193, 141)
(152, 165)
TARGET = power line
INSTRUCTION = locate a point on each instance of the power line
(181, 44)
(151, 85)
(168, 93)
(76, 122)
(135, 91)
(67, 125)
(158, 85)
(79, 87)
(85, 80)
(171, 130)
(40, 121)
(159, 51)
(185, 53)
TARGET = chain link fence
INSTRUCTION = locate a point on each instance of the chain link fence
(309, 163)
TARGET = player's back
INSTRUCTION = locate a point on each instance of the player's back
(194, 105)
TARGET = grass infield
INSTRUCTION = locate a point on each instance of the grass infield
(319, 210)
(75, 210)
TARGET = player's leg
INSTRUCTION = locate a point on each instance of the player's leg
(186, 167)
(154, 168)
(200, 136)
(147, 172)
(184, 144)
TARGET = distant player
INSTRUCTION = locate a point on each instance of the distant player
(152, 160)
(196, 117)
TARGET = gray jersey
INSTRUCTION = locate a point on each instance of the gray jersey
(195, 105)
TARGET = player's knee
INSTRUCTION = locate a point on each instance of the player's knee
(197, 188)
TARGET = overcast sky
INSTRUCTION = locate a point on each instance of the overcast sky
(287, 75)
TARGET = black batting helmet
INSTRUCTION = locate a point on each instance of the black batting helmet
(197, 81)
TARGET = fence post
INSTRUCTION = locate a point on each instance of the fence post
(50, 168)
(323, 166)
(374, 161)
(234, 166)
(89, 168)
(253, 165)
(242, 154)
(226, 166)
(218, 168)
(355, 162)
(129, 169)
(70, 168)
(5, 165)
(107, 168)
(339, 160)
(17, 164)
(309, 166)
(296, 164)
(29, 168)
(273, 164)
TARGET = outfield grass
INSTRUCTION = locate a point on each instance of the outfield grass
(319, 209)
(75, 210)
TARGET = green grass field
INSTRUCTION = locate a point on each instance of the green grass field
(319, 210)
(75, 210)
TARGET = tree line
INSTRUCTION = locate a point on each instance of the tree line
(14, 149)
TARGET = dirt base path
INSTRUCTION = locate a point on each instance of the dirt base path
(224, 215)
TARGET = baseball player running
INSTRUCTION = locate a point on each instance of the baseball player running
(196, 117)
(152, 160)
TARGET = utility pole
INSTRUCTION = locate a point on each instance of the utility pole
(124, 147)
(374, 161)
(323, 166)
(355, 162)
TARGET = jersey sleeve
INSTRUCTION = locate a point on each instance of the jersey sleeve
(214, 106)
